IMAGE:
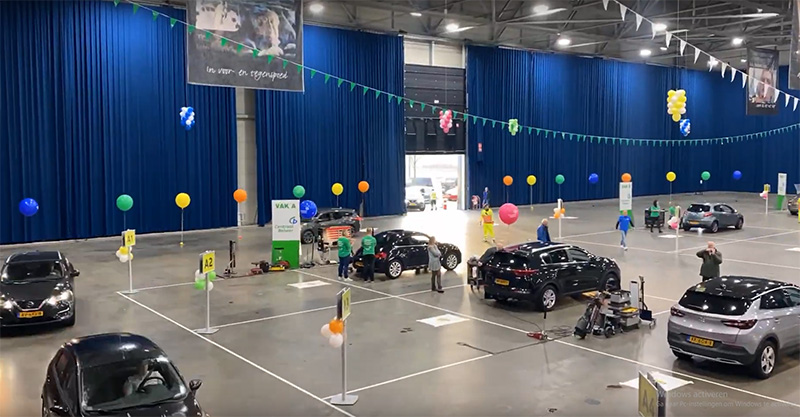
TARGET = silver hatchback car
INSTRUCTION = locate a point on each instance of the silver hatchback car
(737, 320)
(711, 217)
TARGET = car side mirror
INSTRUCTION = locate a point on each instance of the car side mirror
(195, 384)
(59, 410)
(76, 273)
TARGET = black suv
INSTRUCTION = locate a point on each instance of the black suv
(312, 228)
(543, 272)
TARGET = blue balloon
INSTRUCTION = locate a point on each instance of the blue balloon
(28, 207)
(737, 175)
(308, 209)
(593, 178)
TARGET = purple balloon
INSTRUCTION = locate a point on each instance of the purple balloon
(28, 207)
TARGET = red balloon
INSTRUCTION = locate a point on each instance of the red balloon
(509, 213)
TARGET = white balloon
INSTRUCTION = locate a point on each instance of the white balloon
(683, 110)
(681, 92)
(210, 285)
(336, 340)
(118, 253)
(670, 111)
(123, 258)
(325, 331)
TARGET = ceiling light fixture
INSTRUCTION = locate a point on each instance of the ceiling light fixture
(743, 60)
(452, 27)
(563, 41)
(663, 48)
(416, 14)
(316, 8)
(540, 9)
(660, 27)
(737, 41)
(645, 52)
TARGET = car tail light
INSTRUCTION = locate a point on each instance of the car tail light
(740, 324)
(359, 218)
(380, 255)
(707, 214)
(525, 272)
(674, 311)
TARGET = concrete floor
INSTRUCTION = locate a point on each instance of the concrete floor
(269, 359)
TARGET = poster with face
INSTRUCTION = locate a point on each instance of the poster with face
(271, 27)
(763, 82)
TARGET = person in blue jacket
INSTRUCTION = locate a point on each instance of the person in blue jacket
(542, 233)
(486, 196)
(623, 224)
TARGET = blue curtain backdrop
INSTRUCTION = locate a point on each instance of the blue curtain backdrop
(616, 99)
(331, 134)
(89, 98)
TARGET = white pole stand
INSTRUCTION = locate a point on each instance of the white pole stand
(208, 329)
(239, 220)
(559, 225)
(344, 398)
(766, 205)
(130, 273)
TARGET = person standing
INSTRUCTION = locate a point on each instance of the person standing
(655, 213)
(712, 258)
(486, 195)
(623, 224)
(345, 249)
(368, 244)
(487, 220)
(435, 265)
(433, 199)
(543, 232)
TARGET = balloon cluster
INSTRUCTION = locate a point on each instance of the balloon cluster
(333, 332)
(558, 212)
(187, 117)
(764, 194)
(676, 104)
(124, 255)
(685, 127)
(446, 120)
(513, 126)
(509, 213)
(200, 280)
(28, 207)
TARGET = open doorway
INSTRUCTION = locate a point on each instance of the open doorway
(439, 176)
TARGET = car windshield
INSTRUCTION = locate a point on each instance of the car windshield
(699, 208)
(131, 383)
(714, 304)
(31, 271)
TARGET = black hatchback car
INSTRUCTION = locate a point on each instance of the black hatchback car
(37, 288)
(401, 250)
(543, 272)
(116, 374)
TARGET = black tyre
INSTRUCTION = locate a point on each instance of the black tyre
(71, 321)
(546, 298)
(307, 237)
(422, 208)
(610, 282)
(682, 356)
(766, 358)
(739, 224)
(687, 228)
(450, 261)
(714, 227)
(394, 268)
(353, 231)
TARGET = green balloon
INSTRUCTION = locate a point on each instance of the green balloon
(200, 284)
(559, 179)
(299, 191)
(212, 275)
(124, 202)
(705, 175)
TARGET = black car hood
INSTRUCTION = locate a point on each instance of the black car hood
(186, 408)
(36, 290)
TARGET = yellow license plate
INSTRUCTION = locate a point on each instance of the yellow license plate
(700, 341)
(30, 314)
(694, 222)
(499, 281)
(359, 264)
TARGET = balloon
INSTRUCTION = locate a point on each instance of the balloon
(299, 191)
(670, 93)
(682, 99)
(123, 258)
(507, 180)
(308, 209)
(240, 195)
(336, 340)
(682, 111)
(28, 207)
(363, 186)
(556, 215)
(676, 117)
(593, 178)
(705, 175)
(130, 256)
(559, 179)
(123, 250)
(326, 332)
(124, 202)
(201, 285)
(336, 326)
(212, 275)
(182, 200)
(626, 177)
(764, 195)
(509, 213)
(337, 189)
(531, 179)
(737, 175)
(513, 126)
(670, 111)
(685, 127)
(563, 210)
(671, 176)
(198, 276)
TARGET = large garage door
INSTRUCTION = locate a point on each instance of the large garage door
(441, 87)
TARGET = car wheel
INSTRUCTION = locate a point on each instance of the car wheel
(687, 229)
(353, 231)
(394, 268)
(71, 321)
(765, 360)
(611, 283)
(422, 208)
(739, 224)
(547, 298)
(714, 227)
(308, 237)
(450, 261)
(682, 356)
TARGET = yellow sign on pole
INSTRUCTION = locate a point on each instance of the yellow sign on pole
(207, 261)
(648, 397)
(344, 304)
(129, 238)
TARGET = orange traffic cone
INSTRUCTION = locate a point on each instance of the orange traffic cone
(444, 205)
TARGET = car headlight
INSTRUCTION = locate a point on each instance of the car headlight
(6, 304)
(63, 296)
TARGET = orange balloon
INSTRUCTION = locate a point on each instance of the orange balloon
(336, 326)
(626, 177)
(507, 180)
(563, 210)
(557, 215)
(363, 186)
(240, 195)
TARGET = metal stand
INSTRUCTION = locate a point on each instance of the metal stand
(766, 205)
(559, 225)
(208, 329)
(130, 273)
(181, 227)
(238, 220)
(344, 398)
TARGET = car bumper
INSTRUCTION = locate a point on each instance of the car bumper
(415, 206)
(705, 223)
(358, 264)
(723, 353)
(9, 318)
(494, 291)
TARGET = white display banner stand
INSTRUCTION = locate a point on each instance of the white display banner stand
(286, 228)
(626, 196)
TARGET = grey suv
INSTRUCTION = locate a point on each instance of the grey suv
(312, 227)
(737, 320)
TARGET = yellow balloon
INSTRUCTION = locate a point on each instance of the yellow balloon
(671, 176)
(670, 93)
(531, 179)
(682, 99)
(676, 117)
(123, 250)
(337, 189)
(182, 200)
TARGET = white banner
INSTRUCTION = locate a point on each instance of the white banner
(781, 183)
(286, 220)
(626, 196)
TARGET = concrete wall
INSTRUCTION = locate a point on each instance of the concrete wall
(422, 52)
(246, 152)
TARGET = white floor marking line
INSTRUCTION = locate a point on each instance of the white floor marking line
(238, 356)
(164, 286)
(729, 242)
(668, 371)
(438, 368)
(660, 313)
(794, 249)
(617, 246)
(660, 298)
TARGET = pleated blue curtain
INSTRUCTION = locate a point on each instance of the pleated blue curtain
(616, 99)
(331, 133)
(90, 97)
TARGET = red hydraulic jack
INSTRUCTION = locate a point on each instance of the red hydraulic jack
(540, 335)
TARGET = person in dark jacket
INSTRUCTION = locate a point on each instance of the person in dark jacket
(712, 258)
(624, 222)
(435, 265)
(486, 196)
(543, 233)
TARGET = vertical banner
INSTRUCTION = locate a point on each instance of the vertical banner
(286, 231)
(781, 191)
(794, 58)
(626, 196)
(763, 80)
(217, 30)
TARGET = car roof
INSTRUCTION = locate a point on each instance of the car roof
(103, 349)
(738, 287)
(530, 248)
(334, 209)
(34, 256)
(709, 204)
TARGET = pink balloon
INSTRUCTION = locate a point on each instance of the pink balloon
(509, 213)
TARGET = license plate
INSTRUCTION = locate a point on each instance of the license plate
(30, 314)
(694, 222)
(359, 264)
(700, 341)
(499, 281)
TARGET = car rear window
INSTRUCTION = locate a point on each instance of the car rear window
(699, 208)
(507, 260)
(714, 304)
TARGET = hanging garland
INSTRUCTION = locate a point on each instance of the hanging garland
(513, 125)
